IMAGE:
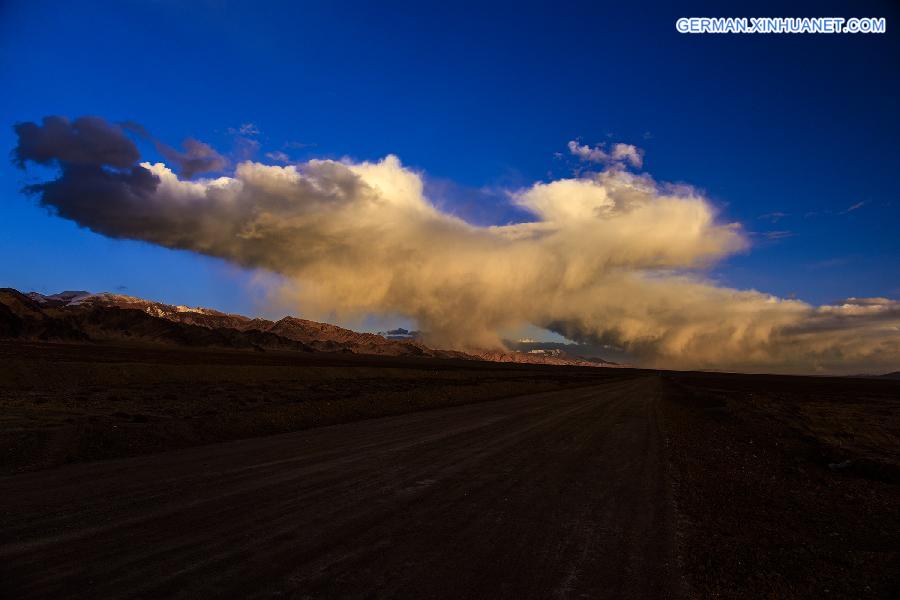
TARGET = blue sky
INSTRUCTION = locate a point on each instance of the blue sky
(476, 97)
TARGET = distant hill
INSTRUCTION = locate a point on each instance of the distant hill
(542, 358)
(84, 316)
(894, 375)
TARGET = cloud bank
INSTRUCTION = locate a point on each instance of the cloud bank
(611, 257)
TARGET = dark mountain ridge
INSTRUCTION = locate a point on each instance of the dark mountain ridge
(80, 316)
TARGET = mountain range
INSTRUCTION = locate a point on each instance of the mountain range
(81, 316)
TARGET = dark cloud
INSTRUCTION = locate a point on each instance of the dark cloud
(197, 157)
(83, 194)
(101, 186)
(98, 168)
(84, 141)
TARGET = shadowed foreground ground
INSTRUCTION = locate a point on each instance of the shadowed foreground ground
(438, 479)
(551, 495)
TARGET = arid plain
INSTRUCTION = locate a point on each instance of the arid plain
(163, 470)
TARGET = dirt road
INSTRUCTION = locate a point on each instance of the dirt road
(561, 494)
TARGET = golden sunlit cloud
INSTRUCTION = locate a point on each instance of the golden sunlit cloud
(609, 257)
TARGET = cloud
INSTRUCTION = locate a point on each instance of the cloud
(773, 217)
(196, 158)
(627, 153)
(876, 302)
(244, 129)
(607, 258)
(84, 141)
(278, 156)
(850, 209)
(777, 235)
(618, 154)
(830, 263)
(245, 148)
